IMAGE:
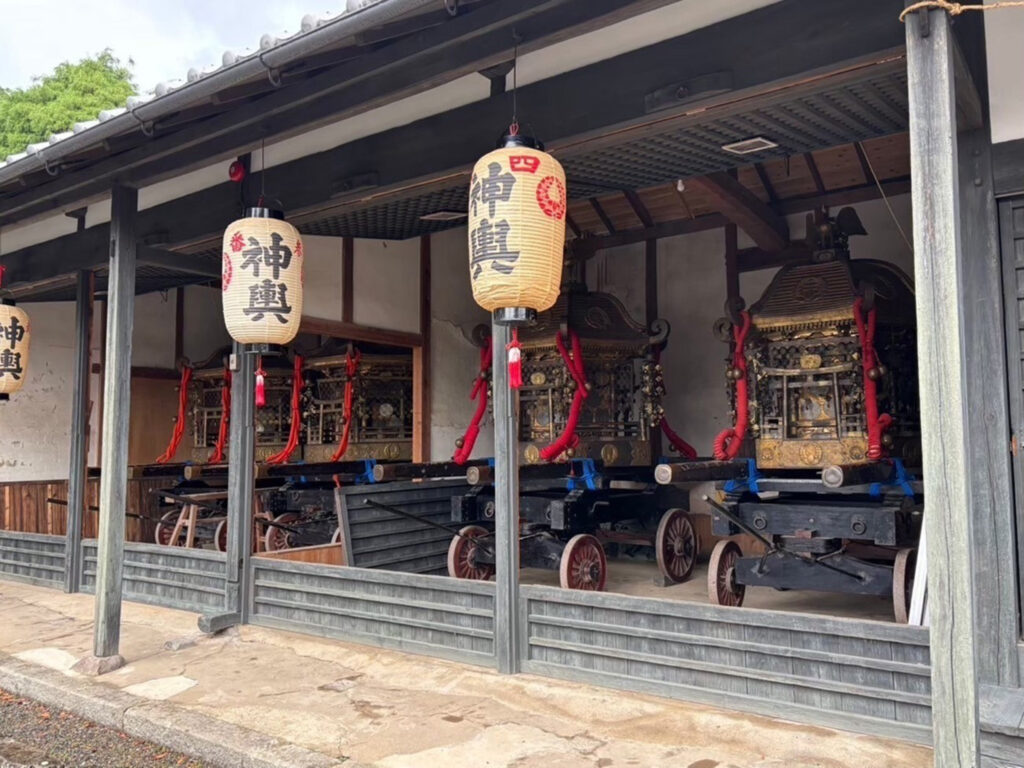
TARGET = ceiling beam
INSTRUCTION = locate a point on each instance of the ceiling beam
(561, 111)
(183, 263)
(588, 246)
(479, 37)
(754, 259)
(745, 209)
(602, 215)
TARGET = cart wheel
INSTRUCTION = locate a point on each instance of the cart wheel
(583, 564)
(276, 538)
(220, 536)
(336, 538)
(462, 551)
(676, 545)
(722, 586)
(903, 583)
(165, 529)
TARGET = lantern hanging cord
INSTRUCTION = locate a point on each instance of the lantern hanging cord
(955, 9)
(513, 128)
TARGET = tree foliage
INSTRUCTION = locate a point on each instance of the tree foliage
(52, 104)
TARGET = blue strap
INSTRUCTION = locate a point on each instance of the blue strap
(900, 478)
(585, 471)
(366, 476)
(743, 484)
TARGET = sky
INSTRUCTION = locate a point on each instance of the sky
(163, 39)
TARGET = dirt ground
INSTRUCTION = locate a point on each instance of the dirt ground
(31, 734)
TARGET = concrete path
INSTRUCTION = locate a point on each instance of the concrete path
(323, 703)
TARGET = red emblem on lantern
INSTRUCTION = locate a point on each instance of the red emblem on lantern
(225, 275)
(237, 242)
(298, 250)
(551, 197)
(524, 163)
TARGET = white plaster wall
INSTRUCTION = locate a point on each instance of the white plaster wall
(322, 295)
(454, 361)
(203, 330)
(1004, 33)
(153, 330)
(35, 424)
(386, 274)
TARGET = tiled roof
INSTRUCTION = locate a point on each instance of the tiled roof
(314, 32)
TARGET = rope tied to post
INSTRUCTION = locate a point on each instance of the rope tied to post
(225, 418)
(955, 9)
(464, 446)
(574, 364)
(729, 441)
(179, 421)
(351, 371)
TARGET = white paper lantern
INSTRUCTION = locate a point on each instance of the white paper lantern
(262, 278)
(15, 335)
(517, 208)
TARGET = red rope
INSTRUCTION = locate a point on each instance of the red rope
(877, 424)
(225, 417)
(351, 369)
(179, 424)
(568, 438)
(293, 434)
(479, 394)
(682, 447)
(729, 441)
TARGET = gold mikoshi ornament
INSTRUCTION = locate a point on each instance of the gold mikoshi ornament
(517, 210)
(15, 336)
(262, 278)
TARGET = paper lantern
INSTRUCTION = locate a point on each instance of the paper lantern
(15, 335)
(517, 207)
(262, 278)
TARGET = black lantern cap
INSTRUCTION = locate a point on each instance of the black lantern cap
(261, 212)
(519, 140)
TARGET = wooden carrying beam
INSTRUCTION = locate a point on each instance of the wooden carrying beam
(745, 209)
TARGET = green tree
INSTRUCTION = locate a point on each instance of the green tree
(72, 93)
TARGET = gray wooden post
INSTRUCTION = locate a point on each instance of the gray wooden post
(938, 265)
(240, 481)
(78, 463)
(117, 400)
(506, 495)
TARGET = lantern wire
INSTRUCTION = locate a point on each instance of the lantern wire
(263, 170)
(513, 129)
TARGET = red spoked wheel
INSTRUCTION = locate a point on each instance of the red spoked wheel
(220, 536)
(583, 564)
(903, 584)
(462, 554)
(675, 545)
(165, 530)
(722, 586)
(278, 538)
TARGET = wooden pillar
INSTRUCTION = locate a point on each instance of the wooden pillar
(117, 396)
(241, 470)
(651, 309)
(506, 500)
(938, 268)
(421, 364)
(79, 461)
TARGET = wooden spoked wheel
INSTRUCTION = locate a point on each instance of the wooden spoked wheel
(722, 586)
(277, 538)
(583, 564)
(462, 553)
(165, 530)
(903, 584)
(336, 537)
(220, 536)
(676, 545)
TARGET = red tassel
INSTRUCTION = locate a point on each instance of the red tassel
(261, 394)
(515, 361)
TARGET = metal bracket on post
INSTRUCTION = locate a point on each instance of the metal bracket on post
(506, 492)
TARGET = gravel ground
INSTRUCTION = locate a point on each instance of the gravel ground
(34, 735)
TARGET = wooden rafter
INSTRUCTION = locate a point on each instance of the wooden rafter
(815, 173)
(603, 216)
(573, 226)
(769, 188)
(738, 204)
(638, 207)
